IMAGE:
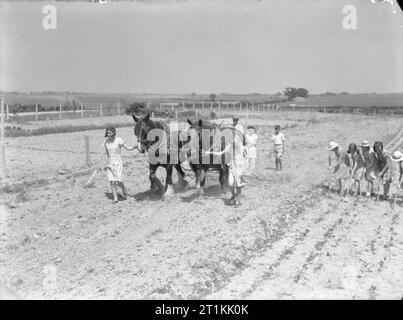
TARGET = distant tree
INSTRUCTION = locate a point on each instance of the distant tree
(212, 96)
(136, 107)
(292, 93)
(344, 93)
(328, 93)
(193, 95)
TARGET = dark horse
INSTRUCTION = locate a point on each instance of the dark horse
(209, 133)
(155, 146)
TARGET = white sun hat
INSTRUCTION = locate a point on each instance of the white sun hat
(332, 145)
(397, 156)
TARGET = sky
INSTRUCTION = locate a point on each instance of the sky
(211, 46)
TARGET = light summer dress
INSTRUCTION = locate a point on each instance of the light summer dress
(114, 162)
(251, 142)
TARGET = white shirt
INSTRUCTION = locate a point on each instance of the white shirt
(239, 127)
(278, 138)
(251, 139)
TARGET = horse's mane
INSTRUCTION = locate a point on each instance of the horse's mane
(157, 125)
(162, 125)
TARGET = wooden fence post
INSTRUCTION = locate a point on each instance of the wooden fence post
(7, 112)
(36, 112)
(193, 104)
(82, 111)
(87, 151)
(202, 105)
(3, 145)
(100, 109)
(60, 111)
(119, 108)
(177, 114)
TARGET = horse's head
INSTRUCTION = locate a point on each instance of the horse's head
(197, 127)
(141, 129)
(201, 135)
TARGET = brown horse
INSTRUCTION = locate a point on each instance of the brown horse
(205, 136)
(154, 137)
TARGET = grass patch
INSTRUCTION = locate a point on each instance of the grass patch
(20, 132)
(16, 131)
(290, 125)
(20, 191)
(312, 121)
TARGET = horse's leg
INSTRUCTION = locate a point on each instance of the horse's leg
(153, 178)
(199, 175)
(169, 190)
(223, 177)
(238, 195)
(181, 175)
(202, 180)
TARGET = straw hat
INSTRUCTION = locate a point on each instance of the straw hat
(397, 156)
(332, 145)
(235, 119)
(365, 143)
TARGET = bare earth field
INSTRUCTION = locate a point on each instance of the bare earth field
(290, 239)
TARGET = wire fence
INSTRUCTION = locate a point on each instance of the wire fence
(174, 109)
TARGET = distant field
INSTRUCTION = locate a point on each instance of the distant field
(115, 104)
(92, 101)
(357, 100)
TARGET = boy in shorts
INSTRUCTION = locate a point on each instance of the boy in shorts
(278, 139)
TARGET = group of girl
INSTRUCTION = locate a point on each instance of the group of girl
(365, 170)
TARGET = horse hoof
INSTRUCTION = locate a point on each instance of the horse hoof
(200, 192)
(183, 184)
(169, 193)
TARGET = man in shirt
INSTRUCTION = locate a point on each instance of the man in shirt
(278, 139)
(236, 125)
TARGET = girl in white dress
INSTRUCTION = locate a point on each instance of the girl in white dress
(251, 141)
(113, 161)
